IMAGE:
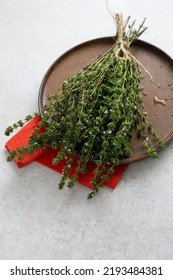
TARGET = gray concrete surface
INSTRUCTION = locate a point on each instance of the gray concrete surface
(37, 221)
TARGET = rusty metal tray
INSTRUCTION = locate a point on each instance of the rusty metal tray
(157, 96)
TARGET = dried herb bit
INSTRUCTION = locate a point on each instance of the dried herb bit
(95, 112)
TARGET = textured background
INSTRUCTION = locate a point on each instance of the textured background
(37, 221)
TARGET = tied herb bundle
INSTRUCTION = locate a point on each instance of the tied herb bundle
(94, 114)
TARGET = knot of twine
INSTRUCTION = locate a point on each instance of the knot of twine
(121, 52)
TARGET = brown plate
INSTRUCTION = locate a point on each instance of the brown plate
(159, 65)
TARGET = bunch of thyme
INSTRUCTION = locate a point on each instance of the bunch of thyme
(94, 114)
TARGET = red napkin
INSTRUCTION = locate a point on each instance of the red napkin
(45, 157)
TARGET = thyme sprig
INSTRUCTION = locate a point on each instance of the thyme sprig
(94, 114)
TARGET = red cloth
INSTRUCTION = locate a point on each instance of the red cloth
(45, 157)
